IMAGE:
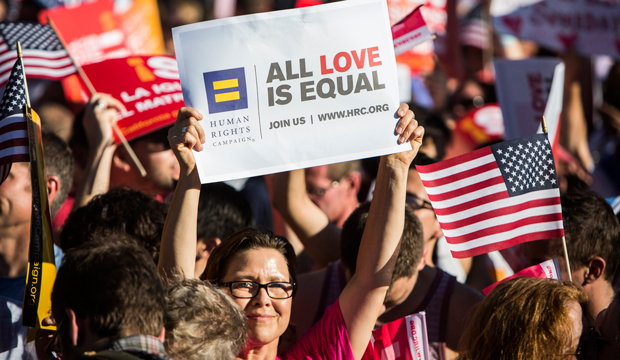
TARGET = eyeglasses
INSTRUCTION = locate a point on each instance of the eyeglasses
(53, 347)
(415, 203)
(319, 191)
(249, 289)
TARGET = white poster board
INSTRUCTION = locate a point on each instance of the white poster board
(523, 91)
(291, 89)
(592, 26)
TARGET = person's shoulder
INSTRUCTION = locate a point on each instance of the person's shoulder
(465, 296)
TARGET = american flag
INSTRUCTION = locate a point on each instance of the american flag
(497, 196)
(13, 128)
(44, 55)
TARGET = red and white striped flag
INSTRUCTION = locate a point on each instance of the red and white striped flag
(410, 31)
(13, 128)
(44, 55)
(496, 197)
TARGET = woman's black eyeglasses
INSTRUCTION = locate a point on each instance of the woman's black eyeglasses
(249, 289)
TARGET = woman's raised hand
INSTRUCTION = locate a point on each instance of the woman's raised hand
(185, 134)
(410, 131)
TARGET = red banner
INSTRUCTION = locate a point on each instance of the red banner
(91, 31)
(148, 86)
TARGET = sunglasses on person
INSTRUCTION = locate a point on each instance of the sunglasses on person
(416, 203)
(319, 191)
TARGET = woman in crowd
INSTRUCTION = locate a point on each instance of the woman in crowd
(525, 318)
(257, 269)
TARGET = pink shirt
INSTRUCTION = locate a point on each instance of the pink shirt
(328, 339)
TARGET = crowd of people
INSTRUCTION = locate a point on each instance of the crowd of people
(305, 264)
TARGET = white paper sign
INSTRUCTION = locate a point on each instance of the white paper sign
(291, 89)
(523, 90)
(592, 26)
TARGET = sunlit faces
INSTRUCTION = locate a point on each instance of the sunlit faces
(161, 165)
(267, 318)
(16, 196)
(430, 225)
(329, 195)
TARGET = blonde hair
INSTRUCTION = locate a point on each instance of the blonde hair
(523, 318)
(202, 322)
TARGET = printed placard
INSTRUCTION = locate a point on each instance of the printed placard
(291, 89)
(528, 90)
(591, 26)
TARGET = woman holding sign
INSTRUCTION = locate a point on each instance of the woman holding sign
(257, 268)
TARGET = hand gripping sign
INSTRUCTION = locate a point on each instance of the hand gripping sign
(148, 86)
(291, 89)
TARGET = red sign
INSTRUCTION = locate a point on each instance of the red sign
(91, 31)
(148, 86)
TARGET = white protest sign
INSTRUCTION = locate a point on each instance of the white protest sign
(291, 89)
(523, 90)
(592, 26)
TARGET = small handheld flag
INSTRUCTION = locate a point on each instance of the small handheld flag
(496, 197)
(545, 270)
(410, 32)
(44, 55)
(13, 129)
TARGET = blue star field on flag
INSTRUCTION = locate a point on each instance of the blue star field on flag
(14, 97)
(526, 164)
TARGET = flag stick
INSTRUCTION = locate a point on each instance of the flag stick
(21, 63)
(570, 275)
(92, 91)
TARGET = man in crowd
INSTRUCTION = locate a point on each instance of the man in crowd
(315, 203)
(16, 209)
(333, 188)
(415, 287)
(128, 316)
(592, 236)
(105, 165)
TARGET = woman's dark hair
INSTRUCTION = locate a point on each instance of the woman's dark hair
(243, 240)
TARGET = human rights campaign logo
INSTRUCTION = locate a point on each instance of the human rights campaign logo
(226, 90)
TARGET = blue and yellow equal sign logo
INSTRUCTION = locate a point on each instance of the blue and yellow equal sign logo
(226, 90)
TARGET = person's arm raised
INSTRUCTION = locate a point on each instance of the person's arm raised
(321, 239)
(99, 116)
(178, 243)
(361, 300)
